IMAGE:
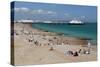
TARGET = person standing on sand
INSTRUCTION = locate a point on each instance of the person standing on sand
(79, 50)
(89, 47)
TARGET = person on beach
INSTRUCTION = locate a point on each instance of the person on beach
(70, 52)
(36, 43)
(51, 49)
(79, 50)
(65, 53)
(87, 52)
(75, 54)
(89, 47)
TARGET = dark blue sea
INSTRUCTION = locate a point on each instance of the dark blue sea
(87, 30)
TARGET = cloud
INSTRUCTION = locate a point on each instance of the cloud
(51, 12)
(22, 9)
(41, 11)
(33, 11)
(66, 14)
(37, 11)
(83, 17)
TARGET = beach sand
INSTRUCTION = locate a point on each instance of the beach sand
(32, 46)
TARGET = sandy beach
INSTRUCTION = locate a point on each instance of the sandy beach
(34, 46)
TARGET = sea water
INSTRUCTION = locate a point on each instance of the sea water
(87, 30)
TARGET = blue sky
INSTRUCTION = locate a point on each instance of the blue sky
(41, 11)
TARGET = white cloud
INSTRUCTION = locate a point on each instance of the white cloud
(66, 14)
(83, 17)
(38, 11)
(41, 11)
(52, 12)
(34, 11)
(22, 9)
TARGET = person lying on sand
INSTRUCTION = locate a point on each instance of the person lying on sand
(75, 54)
(70, 52)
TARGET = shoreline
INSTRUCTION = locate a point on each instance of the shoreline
(68, 35)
